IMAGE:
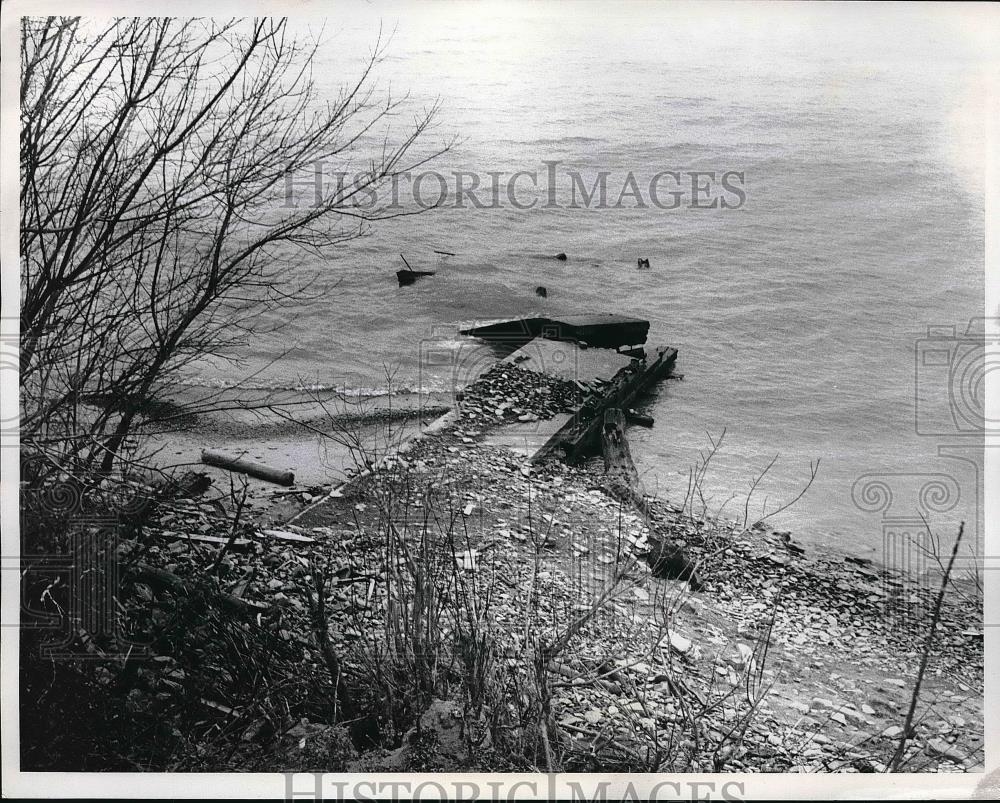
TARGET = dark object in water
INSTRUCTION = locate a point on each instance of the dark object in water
(669, 561)
(444, 253)
(407, 277)
(643, 264)
(561, 257)
(792, 545)
(541, 291)
(598, 330)
(638, 418)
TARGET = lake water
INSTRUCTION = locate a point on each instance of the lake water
(796, 315)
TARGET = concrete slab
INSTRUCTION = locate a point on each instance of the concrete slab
(567, 361)
(528, 439)
(598, 329)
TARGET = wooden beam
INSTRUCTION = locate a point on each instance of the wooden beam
(581, 434)
(258, 470)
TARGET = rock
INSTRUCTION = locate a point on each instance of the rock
(667, 560)
(745, 654)
(867, 709)
(692, 604)
(467, 560)
(938, 747)
(679, 642)
(893, 731)
(593, 716)
(839, 718)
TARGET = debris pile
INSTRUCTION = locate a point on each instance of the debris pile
(507, 393)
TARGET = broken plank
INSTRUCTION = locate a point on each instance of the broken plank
(163, 580)
(239, 543)
(579, 436)
(284, 535)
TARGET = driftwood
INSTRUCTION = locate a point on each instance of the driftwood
(621, 480)
(161, 489)
(638, 418)
(619, 469)
(237, 544)
(163, 580)
(258, 470)
(285, 535)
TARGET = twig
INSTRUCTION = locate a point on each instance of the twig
(234, 530)
(897, 757)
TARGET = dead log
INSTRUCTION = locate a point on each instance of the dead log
(237, 544)
(161, 579)
(623, 389)
(258, 470)
(621, 480)
(285, 535)
(618, 465)
(151, 493)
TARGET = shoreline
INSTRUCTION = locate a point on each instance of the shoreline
(832, 632)
(317, 445)
(833, 616)
(809, 656)
(314, 448)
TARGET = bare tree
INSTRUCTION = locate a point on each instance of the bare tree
(155, 226)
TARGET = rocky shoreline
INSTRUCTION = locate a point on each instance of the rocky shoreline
(783, 662)
(845, 636)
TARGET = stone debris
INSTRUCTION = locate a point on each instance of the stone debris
(508, 393)
(843, 633)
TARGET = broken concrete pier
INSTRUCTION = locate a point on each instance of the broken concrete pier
(601, 330)
(605, 379)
